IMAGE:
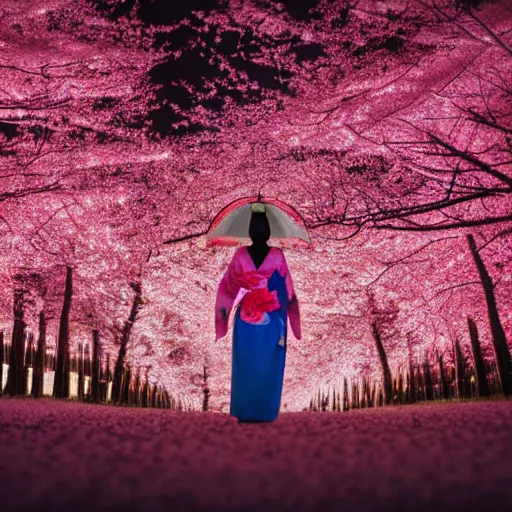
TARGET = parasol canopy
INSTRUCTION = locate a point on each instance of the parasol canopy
(232, 223)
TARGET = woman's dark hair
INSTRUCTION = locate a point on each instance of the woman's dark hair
(259, 228)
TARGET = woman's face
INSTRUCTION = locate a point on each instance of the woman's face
(259, 229)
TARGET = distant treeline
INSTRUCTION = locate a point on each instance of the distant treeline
(431, 379)
(29, 367)
(94, 380)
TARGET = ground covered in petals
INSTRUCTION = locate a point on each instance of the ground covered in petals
(62, 455)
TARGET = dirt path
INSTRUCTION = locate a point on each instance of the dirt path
(64, 456)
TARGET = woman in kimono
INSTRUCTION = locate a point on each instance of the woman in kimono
(260, 324)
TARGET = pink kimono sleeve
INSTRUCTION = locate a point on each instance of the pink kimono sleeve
(226, 295)
(293, 303)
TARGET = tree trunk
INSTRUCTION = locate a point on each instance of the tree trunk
(95, 377)
(145, 391)
(88, 369)
(400, 387)
(384, 363)
(153, 395)
(413, 395)
(366, 392)
(429, 395)
(481, 379)
(145, 395)
(460, 371)
(499, 339)
(125, 338)
(81, 372)
(125, 394)
(2, 359)
(206, 389)
(354, 403)
(136, 390)
(421, 383)
(346, 402)
(29, 353)
(442, 375)
(109, 378)
(38, 381)
(16, 374)
(61, 387)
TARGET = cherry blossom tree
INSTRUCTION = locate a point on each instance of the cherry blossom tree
(125, 127)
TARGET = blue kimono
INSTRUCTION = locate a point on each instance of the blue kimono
(259, 342)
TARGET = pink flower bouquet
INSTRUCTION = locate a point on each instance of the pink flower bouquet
(258, 302)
